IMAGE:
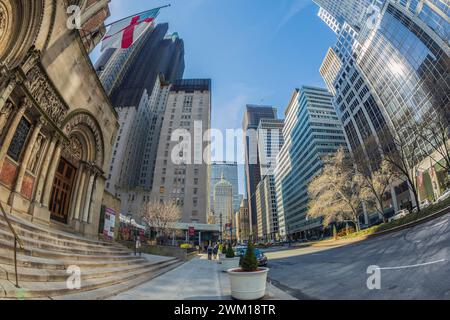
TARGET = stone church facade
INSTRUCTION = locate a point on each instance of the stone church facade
(57, 125)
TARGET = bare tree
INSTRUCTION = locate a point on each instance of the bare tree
(162, 216)
(434, 130)
(335, 194)
(375, 186)
(404, 154)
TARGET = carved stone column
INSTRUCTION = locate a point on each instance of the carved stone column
(44, 169)
(11, 131)
(26, 157)
(78, 192)
(87, 203)
(51, 175)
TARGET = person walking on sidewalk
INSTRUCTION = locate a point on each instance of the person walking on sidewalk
(216, 251)
(138, 245)
(210, 252)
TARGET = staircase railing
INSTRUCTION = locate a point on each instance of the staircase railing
(16, 241)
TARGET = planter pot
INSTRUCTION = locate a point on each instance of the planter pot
(248, 285)
(228, 263)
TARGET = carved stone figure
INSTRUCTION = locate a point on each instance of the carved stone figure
(4, 115)
(35, 154)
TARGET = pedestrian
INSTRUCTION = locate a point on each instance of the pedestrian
(138, 246)
(210, 252)
(216, 251)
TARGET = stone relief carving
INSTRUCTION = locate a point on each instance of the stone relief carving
(73, 150)
(45, 95)
(3, 20)
(36, 154)
(86, 120)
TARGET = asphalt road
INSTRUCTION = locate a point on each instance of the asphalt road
(413, 264)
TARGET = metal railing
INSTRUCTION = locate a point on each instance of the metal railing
(16, 241)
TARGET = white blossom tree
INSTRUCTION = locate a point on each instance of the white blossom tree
(335, 194)
(162, 216)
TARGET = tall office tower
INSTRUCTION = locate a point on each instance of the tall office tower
(230, 172)
(127, 73)
(223, 204)
(335, 12)
(270, 140)
(244, 221)
(266, 207)
(394, 77)
(252, 118)
(312, 130)
(134, 154)
(181, 173)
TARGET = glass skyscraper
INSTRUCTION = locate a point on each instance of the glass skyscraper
(125, 74)
(252, 118)
(312, 130)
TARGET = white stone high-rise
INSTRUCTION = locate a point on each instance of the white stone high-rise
(223, 206)
(182, 170)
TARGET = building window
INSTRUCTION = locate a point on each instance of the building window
(19, 139)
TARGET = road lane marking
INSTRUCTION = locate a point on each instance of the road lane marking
(414, 265)
(439, 223)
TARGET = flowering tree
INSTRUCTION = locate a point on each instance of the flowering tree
(335, 194)
(162, 216)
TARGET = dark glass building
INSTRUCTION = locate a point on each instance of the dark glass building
(125, 74)
(252, 118)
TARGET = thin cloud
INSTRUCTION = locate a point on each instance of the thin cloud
(294, 9)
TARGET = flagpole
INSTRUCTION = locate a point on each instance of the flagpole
(136, 14)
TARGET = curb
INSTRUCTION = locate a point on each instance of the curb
(430, 217)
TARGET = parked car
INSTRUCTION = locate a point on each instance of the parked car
(399, 214)
(262, 259)
(425, 204)
(444, 196)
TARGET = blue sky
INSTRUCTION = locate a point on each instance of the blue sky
(255, 51)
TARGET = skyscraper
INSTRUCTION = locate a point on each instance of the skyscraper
(181, 174)
(270, 142)
(244, 221)
(312, 130)
(230, 172)
(223, 206)
(252, 118)
(125, 74)
(393, 75)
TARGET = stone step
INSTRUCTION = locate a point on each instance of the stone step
(63, 256)
(48, 275)
(29, 230)
(114, 290)
(31, 244)
(55, 289)
(7, 258)
(37, 236)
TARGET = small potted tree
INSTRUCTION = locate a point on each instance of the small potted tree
(249, 281)
(230, 261)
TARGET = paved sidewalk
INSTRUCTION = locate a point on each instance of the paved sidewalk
(198, 279)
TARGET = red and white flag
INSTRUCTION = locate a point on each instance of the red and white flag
(124, 33)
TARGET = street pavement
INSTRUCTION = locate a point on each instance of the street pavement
(198, 279)
(413, 263)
